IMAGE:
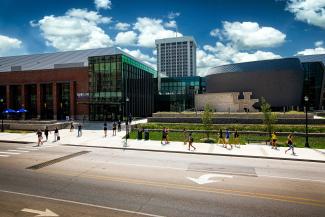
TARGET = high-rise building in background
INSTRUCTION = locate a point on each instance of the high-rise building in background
(176, 57)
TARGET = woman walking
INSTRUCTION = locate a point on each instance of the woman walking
(274, 141)
(114, 128)
(290, 144)
(39, 137)
(221, 139)
(56, 134)
(190, 142)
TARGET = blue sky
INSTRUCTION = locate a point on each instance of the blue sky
(226, 31)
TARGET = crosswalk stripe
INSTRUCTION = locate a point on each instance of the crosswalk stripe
(4, 155)
(22, 151)
(29, 149)
(5, 152)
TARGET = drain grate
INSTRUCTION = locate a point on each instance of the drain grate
(223, 169)
(57, 160)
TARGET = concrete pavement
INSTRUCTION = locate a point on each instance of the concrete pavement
(93, 136)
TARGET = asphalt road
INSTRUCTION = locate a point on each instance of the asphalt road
(75, 181)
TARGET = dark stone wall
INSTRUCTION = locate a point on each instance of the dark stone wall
(280, 81)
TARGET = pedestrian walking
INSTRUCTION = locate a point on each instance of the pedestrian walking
(39, 137)
(227, 138)
(274, 141)
(119, 125)
(163, 136)
(46, 133)
(71, 127)
(185, 135)
(79, 130)
(56, 134)
(236, 138)
(190, 142)
(105, 129)
(167, 136)
(290, 144)
(114, 128)
(221, 139)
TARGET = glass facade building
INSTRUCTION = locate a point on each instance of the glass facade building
(177, 93)
(119, 86)
(314, 84)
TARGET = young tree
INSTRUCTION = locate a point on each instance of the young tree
(269, 117)
(207, 119)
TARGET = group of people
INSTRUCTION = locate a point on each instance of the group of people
(226, 140)
(289, 142)
(39, 134)
(114, 125)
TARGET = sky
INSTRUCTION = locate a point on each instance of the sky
(226, 31)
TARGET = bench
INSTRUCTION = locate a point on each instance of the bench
(258, 140)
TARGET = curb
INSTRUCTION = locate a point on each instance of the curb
(17, 142)
(196, 153)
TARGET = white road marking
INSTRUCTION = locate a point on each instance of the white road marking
(29, 149)
(6, 152)
(205, 179)
(4, 155)
(40, 213)
(82, 204)
(292, 178)
(15, 150)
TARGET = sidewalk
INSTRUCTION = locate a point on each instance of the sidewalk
(94, 137)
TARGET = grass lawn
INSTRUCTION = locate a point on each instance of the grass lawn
(314, 142)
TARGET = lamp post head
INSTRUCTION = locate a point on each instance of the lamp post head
(306, 98)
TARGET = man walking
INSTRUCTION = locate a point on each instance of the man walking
(56, 134)
(290, 144)
(114, 128)
(228, 138)
(46, 133)
(105, 129)
(119, 125)
(79, 130)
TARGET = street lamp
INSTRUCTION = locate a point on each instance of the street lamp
(306, 105)
(126, 121)
(2, 127)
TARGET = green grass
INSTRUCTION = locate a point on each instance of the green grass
(239, 127)
(315, 142)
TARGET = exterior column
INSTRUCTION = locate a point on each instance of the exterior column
(55, 101)
(72, 99)
(8, 96)
(23, 96)
(38, 100)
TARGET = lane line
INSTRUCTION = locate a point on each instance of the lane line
(4, 155)
(18, 151)
(291, 178)
(7, 152)
(275, 197)
(81, 203)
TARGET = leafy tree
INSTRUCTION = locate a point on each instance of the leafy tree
(207, 119)
(269, 117)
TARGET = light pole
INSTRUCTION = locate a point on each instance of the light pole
(126, 121)
(2, 128)
(306, 105)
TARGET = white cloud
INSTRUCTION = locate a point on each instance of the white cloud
(150, 30)
(249, 35)
(173, 15)
(122, 26)
(143, 57)
(207, 60)
(312, 51)
(171, 24)
(319, 43)
(105, 4)
(77, 29)
(9, 45)
(215, 32)
(309, 11)
(258, 55)
(126, 38)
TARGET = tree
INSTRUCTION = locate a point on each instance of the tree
(269, 117)
(207, 119)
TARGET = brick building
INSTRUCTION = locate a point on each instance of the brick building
(64, 84)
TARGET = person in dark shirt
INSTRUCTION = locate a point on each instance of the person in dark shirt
(46, 133)
(39, 137)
